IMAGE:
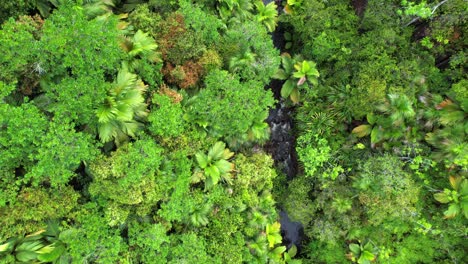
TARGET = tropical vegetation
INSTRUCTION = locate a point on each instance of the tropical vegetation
(145, 131)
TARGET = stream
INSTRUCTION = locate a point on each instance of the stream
(282, 141)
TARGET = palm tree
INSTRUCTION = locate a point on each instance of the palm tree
(140, 47)
(267, 14)
(122, 108)
(450, 137)
(242, 61)
(234, 9)
(396, 112)
(399, 108)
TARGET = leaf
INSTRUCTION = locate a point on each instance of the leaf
(106, 131)
(305, 67)
(280, 75)
(376, 135)
(355, 249)
(52, 255)
(227, 154)
(30, 246)
(279, 250)
(301, 80)
(287, 88)
(371, 118)
(368, 247)
(298, 74)
(464, 207)
(223, 166)
(452, 211)
(26, 256)
(367, 255)
(362, 130)
(287, 63)
(288, 45)
(7, 246)
(295, 96)
(142, 43)
(463, 190)
(213, 172)
(442, 197)
(216, 152)
(202, 160)
(273, 234)
(313, 72)
(298, 66)
(455, 182)
(292, 251)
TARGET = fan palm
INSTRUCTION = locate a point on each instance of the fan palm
(399, 108)
(450, 138)
(123, 106)
(140, 46)
(397, 111)
(237, 63)
(239, 9)
(267, 14)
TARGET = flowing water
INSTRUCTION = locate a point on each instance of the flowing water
(282, 142)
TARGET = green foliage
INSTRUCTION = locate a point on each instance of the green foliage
(386, 190)
(392, 124)
(202, 23)
(179, 205)
(362, 253)
(17, 40)
(41, 246)
(215, 165)
(267, 14)
(457, 198)
(150, 241)
(32, 207)
(247, 103)
(411, 9)
(79, 74)
(20, 134)
(234, 10)
(142, 57)
(90, 239)
(128, 175)
(123, 107)
(254, 173)
(296, 80)
(73, 75)
(67, 53)
(313, 153)
(61, 152)
(250, 44)
(273, 234)
(188, 248)
(13, 9)
(450, 134)
(165, 117)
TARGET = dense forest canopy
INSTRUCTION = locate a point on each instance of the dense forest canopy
(135, 131)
